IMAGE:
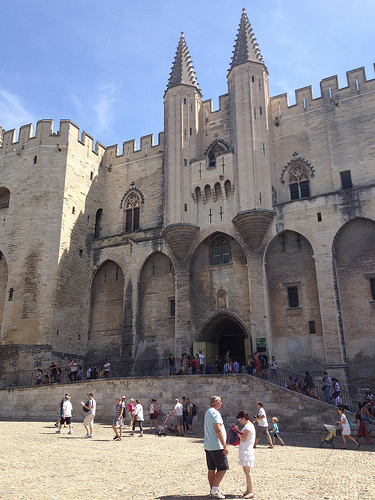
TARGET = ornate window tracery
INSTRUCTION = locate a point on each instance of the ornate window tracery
(299, 183)
(132, 212)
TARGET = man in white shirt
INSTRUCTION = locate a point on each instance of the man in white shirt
(261, 418)
(66, 415)
(106, 366)
(179, 410)
(201, 362)
(88, 421)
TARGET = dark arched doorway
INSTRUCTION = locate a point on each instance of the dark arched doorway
(224, 332)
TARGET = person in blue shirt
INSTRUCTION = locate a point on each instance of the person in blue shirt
(215, 446)
(275, 432)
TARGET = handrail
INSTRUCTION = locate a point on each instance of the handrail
(161, 367)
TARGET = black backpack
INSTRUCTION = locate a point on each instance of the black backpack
(194, 411)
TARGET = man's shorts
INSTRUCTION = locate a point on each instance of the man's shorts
(190, 419)
(66, 420)
(180, 420)
(261, 431)
(88, 419)
(216, 460)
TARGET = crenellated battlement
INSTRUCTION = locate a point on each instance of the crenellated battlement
(208, 105)
(130, 151)
(330, 93)
(68, 132)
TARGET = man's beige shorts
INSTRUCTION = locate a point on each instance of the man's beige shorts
(88, 419)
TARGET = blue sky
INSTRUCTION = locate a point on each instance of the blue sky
(105, 64)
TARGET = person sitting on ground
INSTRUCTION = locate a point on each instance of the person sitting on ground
(338, 400)
(312, 392)
(290, 384)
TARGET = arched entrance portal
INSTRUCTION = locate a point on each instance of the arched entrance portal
(224, 333)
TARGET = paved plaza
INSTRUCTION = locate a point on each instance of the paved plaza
(37, 463)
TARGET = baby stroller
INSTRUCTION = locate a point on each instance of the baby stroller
(333, 431)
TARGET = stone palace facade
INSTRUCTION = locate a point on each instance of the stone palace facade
(247, 228)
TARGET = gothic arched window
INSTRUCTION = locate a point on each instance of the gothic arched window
(299, 183)
(132, 212)
(220, 251)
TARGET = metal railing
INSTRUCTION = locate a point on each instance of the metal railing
(161, 367)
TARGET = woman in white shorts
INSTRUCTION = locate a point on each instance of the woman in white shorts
(246, 450)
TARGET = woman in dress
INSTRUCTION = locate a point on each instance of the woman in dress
(246, 450)
(345, 428)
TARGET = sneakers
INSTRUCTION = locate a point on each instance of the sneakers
(88, 435)
(118, 438)
(217, 494)
(70, 431)
(58, 431)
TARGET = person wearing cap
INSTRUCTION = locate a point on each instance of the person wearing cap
(215, 446)
(179, 411)
(88, 421)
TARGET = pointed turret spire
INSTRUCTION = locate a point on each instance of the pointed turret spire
(182, 70)
(246, 48)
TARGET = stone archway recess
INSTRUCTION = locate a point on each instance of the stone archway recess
(224, 332)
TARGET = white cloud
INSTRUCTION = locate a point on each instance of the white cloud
(13, 114)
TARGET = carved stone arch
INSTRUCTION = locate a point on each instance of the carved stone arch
(106, 313)
(207, 192)
(294, 301)
(296, 161)
(215, 149)
(156, 308)
(354, 278)
(131, 204)
(134, 190)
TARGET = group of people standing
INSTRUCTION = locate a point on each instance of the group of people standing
(65, 412)
(217, 449)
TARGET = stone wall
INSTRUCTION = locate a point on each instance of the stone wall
(295, 411)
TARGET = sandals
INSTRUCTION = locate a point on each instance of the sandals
(249, 495)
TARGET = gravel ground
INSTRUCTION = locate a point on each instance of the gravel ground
(35, 462)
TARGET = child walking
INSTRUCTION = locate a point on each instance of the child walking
(275, 432)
